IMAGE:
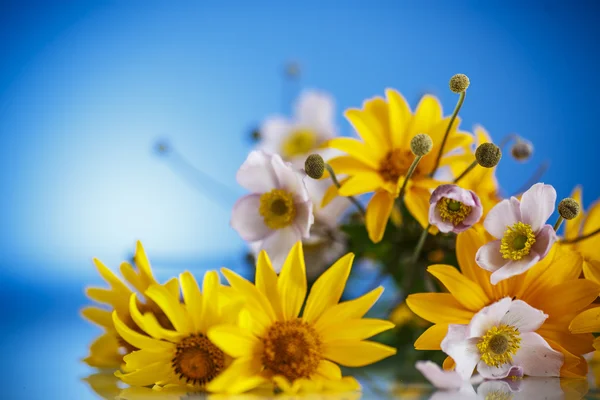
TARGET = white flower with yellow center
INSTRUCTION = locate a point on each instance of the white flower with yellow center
(294, 139)
(501, 338)
(523, 236)
(278, 212)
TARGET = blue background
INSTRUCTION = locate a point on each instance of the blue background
(87, 88)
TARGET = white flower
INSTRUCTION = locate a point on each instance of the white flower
(523, 236)
(278, 212)
(500, 337)
(312, 124)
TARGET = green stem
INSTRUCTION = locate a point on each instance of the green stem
(411, 170)
(558, 223)
(338, 185)
(461, 100)
(466, 171)
(420, 244)
(580, 238)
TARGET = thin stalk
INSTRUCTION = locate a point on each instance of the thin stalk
(558, 223)
(580, 238)
(420, 244)
(461, 100)
(338, 185)
(411, 170)
(466, 171)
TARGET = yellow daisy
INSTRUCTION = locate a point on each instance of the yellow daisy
(551, 286)
(380, 161)
(107, 350)
(297, 353)
(584, 223)
(480, 180)
(184, 355)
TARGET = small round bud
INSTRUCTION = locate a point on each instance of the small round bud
(568, 208)
(421, 144)
(292, 69)
(314, 166)
(522, 150)
(488, 155)
(459, 83)
(162, 147)
(255, 135)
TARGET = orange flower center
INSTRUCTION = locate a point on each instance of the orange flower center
(198, 360)
(396, 164)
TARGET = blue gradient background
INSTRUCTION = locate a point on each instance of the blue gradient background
(86, 89)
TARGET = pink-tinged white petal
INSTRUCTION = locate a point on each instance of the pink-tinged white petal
(544, 240)
(289, 179)
(246, 219)
(504, 214)
(279, 244)
(488, 317)
(514, 268)
(304, 218)
(498, 389)
(256, 173)
(489, 257)
(462, 349)
(461, 195)
(489, 372)
(536, 357)
(273, 131)
(316, 110)
(524, 317)
(537, 205)
(436, 219)
(438, 377)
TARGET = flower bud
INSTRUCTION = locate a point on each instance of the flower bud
(488, 155)
(255, 135)
(421, 144)
(459, 83)
(314, 166)
(568, 208)
(521, 150)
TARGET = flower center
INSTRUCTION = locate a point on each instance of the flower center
(292, 349)
(499, 395)
(299, 142)
(517, 241)
(396, 164)
(197, 360)
(277, 208)
(499, 344)
(452, 210)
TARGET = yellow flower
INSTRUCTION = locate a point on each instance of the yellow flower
(480, 180)
(107, 350)
(297, 353)
(584, 223)
(380, 161)
(184, 355)
(551, 286)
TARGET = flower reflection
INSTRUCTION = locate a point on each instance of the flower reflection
(105, 384)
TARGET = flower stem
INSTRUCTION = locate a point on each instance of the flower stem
(338, 185)
(411, 170)
(461, 100)
(420, 244)
(466, 171)
(580, 238)
(558, 223)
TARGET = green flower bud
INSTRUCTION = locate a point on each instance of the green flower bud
(421, 144)
(314, 166)
(522, 150)
(488, 155)
(459, 83)
(568, 208)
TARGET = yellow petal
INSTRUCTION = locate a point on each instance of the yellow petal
(328, 288)
(432, 338)
(266, 282)
(356, 149)
(233, 340)
(427, 115)
(467, 244)
(331, 193)
(329, 370)
(574, 295)
(352, 353)
(587, 321)
(142, 358)
(210, 300)
(439, 308)
(98, 316)
(573, 226)
(417, 202)
(171, 306)
(365, 182)
(111, 278)
(149, 375)
(378, 108)
(105, 352)
(589, 247)
(137, 339)
(343, 165)
(172, 286)
(242, 375)
(369, 129)
(149, 324)
(106, 296)
(356, 329)
(378, 212)
(581, 343)
(292, 282)
(257, 303)
(192, 298)
(591, 270)
(131, 276)
(352, 309)
(141, 260)
(400, 115)
(465, 291)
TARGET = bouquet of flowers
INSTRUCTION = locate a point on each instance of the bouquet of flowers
(488, 287)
